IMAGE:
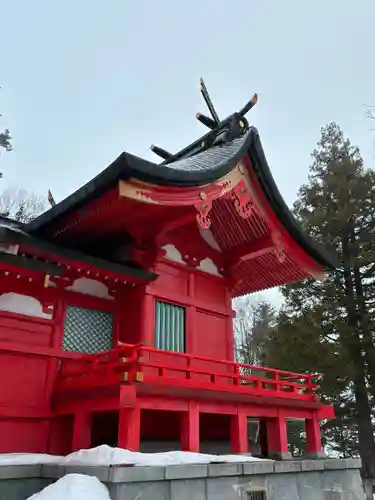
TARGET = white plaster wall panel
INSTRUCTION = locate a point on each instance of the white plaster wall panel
(209, 267)
(22, 304)
(91, 287)
(173, 254)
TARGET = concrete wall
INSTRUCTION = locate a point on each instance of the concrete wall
(297, 480)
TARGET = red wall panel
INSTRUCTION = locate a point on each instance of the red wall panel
(172, 280)
(211, 291)
(25, 329)
(129, 312)
(23, 435)
(210, 338)
(61, 435)
(25, 378)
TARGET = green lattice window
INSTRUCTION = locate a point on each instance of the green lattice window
(87, 330)
(169, 327)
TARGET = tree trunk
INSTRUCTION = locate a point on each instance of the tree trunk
(363, 318)
(365, 431)
(352, 343)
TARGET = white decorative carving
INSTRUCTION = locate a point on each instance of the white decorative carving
(173, 254)
(23, 304)
(91, 287)
(209, 267)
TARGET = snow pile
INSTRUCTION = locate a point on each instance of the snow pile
(74, 487)
(29, 459)
(106, 455)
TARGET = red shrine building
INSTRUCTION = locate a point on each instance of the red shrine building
(116, 320)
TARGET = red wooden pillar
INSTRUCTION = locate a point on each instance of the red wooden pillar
(129, 428)
(277, 440)
(147, 325)
(191, 317)
(314, 447)
(190, 429)
(81, 431)
(238, 433)
(230, 351)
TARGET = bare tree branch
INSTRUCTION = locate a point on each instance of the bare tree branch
(21, 205)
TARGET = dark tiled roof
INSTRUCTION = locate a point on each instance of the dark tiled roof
(14, 235)
(191, 167)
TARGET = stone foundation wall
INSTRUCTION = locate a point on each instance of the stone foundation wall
(328, 479)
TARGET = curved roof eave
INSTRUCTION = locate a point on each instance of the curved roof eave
(191, 167)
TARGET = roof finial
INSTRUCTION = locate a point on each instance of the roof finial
(51, 199)
(161, 152)
(207, 98)
(249, 105)
(206, 120)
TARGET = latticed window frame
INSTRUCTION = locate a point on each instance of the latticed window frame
(86, 340)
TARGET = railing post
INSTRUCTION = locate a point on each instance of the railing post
(237, 373)
(134, 362)
(276, 378)
(190, 429)
(82, 426)
(188, 372)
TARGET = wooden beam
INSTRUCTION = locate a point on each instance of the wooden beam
(248, 251)
(174, 224)
(30, 264)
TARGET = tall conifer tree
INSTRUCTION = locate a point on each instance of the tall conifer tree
(329, 325)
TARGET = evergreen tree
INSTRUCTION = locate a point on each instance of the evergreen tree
(328, 325)
(5, 140)
(296, 437)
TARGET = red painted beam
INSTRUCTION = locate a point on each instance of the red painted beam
(248, 251)
(326, 412)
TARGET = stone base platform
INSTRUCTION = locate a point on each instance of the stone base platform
(327, 479)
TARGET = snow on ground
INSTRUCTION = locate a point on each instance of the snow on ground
(106, 455)
(74, 487)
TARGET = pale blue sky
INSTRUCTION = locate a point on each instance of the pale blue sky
(84, 80)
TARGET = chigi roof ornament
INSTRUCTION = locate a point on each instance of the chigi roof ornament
(223, 131)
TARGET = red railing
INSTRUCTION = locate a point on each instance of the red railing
(141, 364)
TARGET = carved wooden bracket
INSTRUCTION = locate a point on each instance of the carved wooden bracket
(63, 282)
(190, 260)
(203, 215)
(242, 200)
